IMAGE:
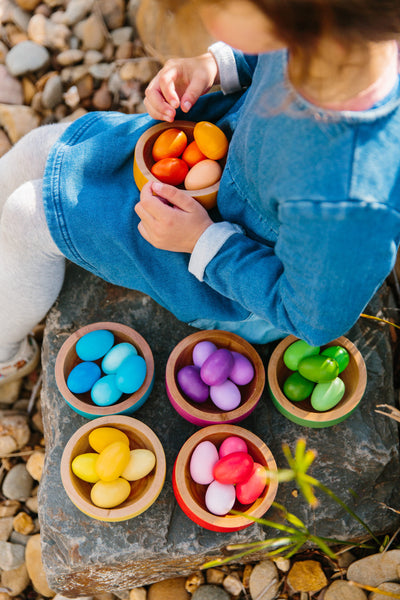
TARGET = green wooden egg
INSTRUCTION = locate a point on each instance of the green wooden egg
(319, 368)
(296, 352)
(297, 388)
(326, 395)
(339, 354)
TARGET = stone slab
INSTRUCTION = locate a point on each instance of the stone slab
(358, 458)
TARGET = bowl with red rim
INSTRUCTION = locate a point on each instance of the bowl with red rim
(207, 413)
(143, 161)
(302, 412)
(191, 495)
(67, 359)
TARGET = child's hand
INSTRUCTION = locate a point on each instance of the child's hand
(179, 84)
(170, 220)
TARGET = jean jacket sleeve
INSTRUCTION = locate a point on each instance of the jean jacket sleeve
(235, 68)
(329, 260)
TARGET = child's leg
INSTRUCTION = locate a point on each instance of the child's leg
(27, 159)
(31, 267)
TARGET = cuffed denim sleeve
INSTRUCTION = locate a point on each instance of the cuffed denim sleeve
(235, 68)
(329, 260)
(208, 245)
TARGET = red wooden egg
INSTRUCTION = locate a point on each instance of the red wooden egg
(248, 491)
(233, 468)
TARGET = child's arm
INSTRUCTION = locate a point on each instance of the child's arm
(328, 262)
(179, 84)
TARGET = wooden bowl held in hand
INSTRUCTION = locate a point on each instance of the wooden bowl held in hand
(206, 413)
(191, 495)
(302, 412)
(82, 403)
(144, 491)
(143, 161)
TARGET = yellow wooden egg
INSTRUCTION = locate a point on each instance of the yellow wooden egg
(112, 461)
(84, 466)
(140, 464)
(104, 436)
(107, 494)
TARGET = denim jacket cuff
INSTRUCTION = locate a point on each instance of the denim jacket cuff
(208, 245)
(228, 73)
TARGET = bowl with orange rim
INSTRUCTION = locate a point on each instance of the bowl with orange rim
(144, 161)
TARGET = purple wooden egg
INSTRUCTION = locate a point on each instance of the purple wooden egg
(191, 384)
(202, 351)
(226, 396)
(242, 371)
(217, 367)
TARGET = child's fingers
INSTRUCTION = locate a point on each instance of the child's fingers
(162, 112)
(174, 196)
(167, 83)
(192, 93)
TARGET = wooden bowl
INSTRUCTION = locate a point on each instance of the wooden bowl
(143, 161)
(302, 413)
(144, 491)
(67, 359)
(190, 495)
(207, 413)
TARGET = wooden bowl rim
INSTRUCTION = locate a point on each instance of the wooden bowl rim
(228, 521)
(336, 412)
(213, 335)
(139, 505)
(126, 404)
(141, 164)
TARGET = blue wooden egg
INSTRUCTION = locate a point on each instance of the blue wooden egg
(115, 357)
(105, 391)
(131, 374)
(83, 377)
(94, 345)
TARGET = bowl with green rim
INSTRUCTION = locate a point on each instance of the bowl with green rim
(354, 377)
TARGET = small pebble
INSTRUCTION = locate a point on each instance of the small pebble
(232, 584)
(375, 568)
(23, 523)
(342, 590)
(264, 579)
(210, 592)
(12, 556)
(17, 484)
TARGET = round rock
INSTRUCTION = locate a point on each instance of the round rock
(375, 569)
(169, 589)
(210, 592)
(264, 580)
(12, 556)
(26, 57)
(342, 590)
(17, 484)
(390, 586)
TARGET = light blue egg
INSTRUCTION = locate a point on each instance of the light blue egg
(105, 391)
(131, 374)
(114, 357)
(94, 345)
(83, 376)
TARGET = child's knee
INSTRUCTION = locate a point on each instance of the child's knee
(23, 219)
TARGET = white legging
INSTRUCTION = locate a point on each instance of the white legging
(31, 266)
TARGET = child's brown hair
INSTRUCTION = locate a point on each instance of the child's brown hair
(300, 23)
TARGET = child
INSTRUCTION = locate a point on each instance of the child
(308, 222)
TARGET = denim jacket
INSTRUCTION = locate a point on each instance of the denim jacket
(307, 226)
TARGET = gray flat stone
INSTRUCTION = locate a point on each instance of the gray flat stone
(358, 458)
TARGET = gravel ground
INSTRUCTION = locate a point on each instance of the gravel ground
(58, 60)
